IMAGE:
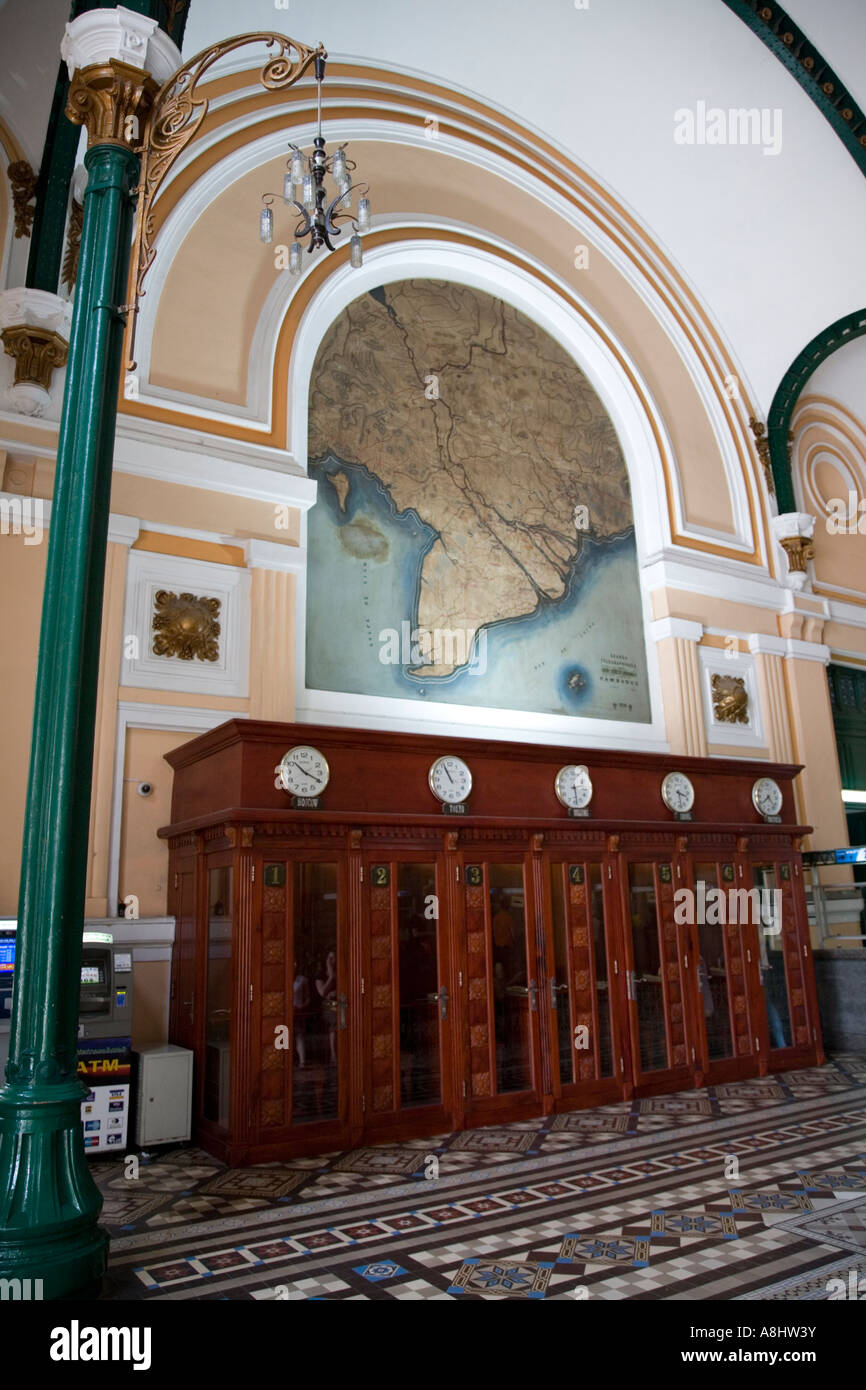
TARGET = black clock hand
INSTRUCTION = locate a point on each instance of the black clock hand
(303, 770)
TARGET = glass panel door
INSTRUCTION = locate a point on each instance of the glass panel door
(218, 998)
(408, 1006)
(513, 994)
(319, 1003)
(504, 1043)
(723, 1011)
(658, 985)
(647, 985)
(774, 934)
(421, 1006)
(714, 1007)
(580, 996)
(302, 1004)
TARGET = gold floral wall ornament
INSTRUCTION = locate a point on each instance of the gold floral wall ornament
(185, 626)
(23, 181)
(69, 273)
(730, 699)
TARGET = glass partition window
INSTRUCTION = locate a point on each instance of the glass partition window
(420, 1003)
(218, 996)
(712, 970)
(567, 1067)
(318, 1000)
(602, 985)
(511, 987)
(772, 959)
(648, 986)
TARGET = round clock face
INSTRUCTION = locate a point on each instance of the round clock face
(450, 780)
(678, 794)
(767, 796)
(304, 771)
(573, 786)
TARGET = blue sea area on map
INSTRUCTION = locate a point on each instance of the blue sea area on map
(580, 654)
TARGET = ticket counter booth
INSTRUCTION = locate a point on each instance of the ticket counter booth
(367, 959)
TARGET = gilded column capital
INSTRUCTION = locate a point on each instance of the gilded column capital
(794, 532)
(112, 100)
(34, 329)
(799, 550)
(37, 351)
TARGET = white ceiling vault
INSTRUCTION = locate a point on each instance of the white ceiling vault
(771, 243)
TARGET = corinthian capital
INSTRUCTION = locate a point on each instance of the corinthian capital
(117, 60)
(112, 101)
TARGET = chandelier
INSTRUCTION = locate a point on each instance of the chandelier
(320, 211)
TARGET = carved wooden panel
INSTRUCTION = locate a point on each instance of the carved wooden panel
(480, 1060)
(583, 976)
(275, 1062)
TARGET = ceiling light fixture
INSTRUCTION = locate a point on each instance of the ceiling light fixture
(320, 211)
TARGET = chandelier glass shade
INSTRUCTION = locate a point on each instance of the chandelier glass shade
(323, 213)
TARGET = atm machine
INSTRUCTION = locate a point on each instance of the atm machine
(104, 1029)
(8, 929)
(104, 1041)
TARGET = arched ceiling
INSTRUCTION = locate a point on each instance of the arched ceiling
(30, 37)
(771, 243)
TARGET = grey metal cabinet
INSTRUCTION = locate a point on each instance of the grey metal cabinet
(164, 1095)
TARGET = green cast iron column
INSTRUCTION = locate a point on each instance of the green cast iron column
(49, 1204)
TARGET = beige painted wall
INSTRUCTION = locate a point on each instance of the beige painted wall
(22, 575)
(143, 856)
(151, 985)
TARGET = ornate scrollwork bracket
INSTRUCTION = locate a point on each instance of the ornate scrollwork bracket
(178, 110)
(23, 182)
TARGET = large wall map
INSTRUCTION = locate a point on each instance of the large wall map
(473, 537)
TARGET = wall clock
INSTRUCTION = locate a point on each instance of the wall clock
(450, 780)
(304, 771)
(767, 797)
(678, 794)
(573, 787)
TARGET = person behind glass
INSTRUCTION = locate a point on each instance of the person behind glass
(769, 981)
(326, 985)
(502, 927)
(301, 1009)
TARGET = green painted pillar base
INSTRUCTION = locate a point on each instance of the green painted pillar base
(49, 1203)
(40, 1136)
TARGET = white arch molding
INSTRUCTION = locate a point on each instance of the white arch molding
(643, 278)
(581, 339)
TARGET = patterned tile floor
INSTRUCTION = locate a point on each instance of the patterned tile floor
(755, 1189)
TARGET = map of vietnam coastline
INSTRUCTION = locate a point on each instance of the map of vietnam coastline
(471, 417)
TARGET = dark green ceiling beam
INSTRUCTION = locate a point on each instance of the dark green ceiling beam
(790, 45)
(843, 331)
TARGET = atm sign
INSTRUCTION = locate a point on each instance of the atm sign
(103, 1066)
